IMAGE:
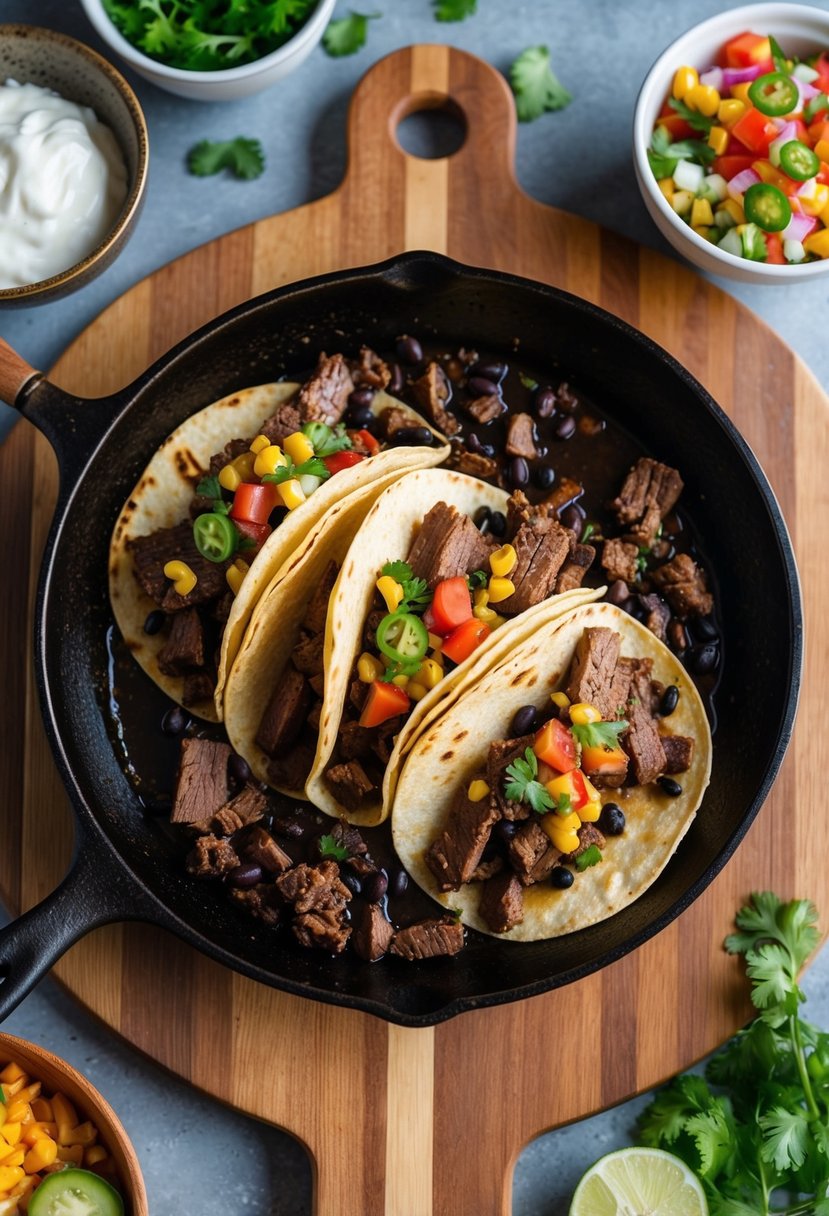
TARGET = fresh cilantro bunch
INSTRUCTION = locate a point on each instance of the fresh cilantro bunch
(755, 1128)
(416, 594)
(454, 10)
(535, 87)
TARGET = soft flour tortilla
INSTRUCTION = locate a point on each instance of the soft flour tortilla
(455, 747)
(387, 534)
(162, 498)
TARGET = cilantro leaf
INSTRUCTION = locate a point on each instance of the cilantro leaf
(244, 157)
(786, 1136)
(563, 805)
(590, 857)
(535, 87)
(313, 467)
(329, 848)
(781, 63)
(523, 785)
(326, 440)
(454, 10)
(528, 381)
(599, 734)
(478, 578)
(416, 594)
(695, 120)
(661, 166)
(401, 572)
(209, 487)
(347, 35)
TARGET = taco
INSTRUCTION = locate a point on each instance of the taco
(214, 518)
(556, 789)
(425, 600)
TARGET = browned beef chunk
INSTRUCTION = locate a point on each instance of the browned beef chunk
(221, 609)
(317, 609)
(244, 809)
(619, 560)
(456, 853)
(642, 740)
(357, 693)
(236, 447)
(257, 845)
(610, 781)
(521, 511)
(428, 939)
(355, 741)
(199, 686)
(473, 464)
(502, 902)
(308, 654)
(322, 931)
(484, 409)
(283, 423)
(448, 544)
(542, 546)
(532, 853)
(485, 869)
(372, 933)
(383, 737)
(431, 392)
(324, 397)
(184, 648)
(261, 901)
(211, 857)
(317, 685)
(658, 614)
(315, 715)
(575, 567)
(593, 668)
(502, 753)
(370, 628)
(679, 753)
(314, 888)
(349, 783)
(348, 837)
(647, 495)
(290, 770)
(521, 436)
(684, 586)
(199, 505)
(201, 780)
(151, 553)
(588, 835)
(393, 419)
(677, 636)
(370, 369)
(285, 714)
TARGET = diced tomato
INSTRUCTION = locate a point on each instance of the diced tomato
(384, 701)
(451, 605)
(730, 166)
(676, 126)
(341, 460)
(258, 533)
(774, 250)
(819, 130)
(369, 441)
(555, 745)
(466, 639)
(603, 761)
(755, 131)
(254, 502)
(746, 50)
(576, 786)
(822, 69)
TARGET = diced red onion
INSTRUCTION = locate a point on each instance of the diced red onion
(713, 77)
(806, 91)
(732, 76)
(799, 227)
(741, 182)
(788, 132)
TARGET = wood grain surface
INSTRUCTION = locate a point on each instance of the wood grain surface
(405, 1122)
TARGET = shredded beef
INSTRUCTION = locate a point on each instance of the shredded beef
(211, 857)
(501, 754)
(679, 753)
(565, 493)
(428, 939)
(684, 586)
(184, 648)
(244, 809)
(324, 397)
(322, 931)
(286, 421)
(261, 901)
(201, 780)
(532, 853)
(372, 933)
(486, 869)
(199, 687)
(502, 902)
(647, 495)
(285, 714)
(257, 845)
(457, 852)
(619, 558)
(307, 655)
(642, 740)
(236, 447)
(431, 393)
(473, 464)
(370, 369)
(355, 741)
(484, 409)
(349, 783)
(592, 670)
(658, 614)
(521, 436)
(317, 609)
(448, 544)
(314, 888)
(575, 567)
(348, 837)
(541, 546)
(151, 553)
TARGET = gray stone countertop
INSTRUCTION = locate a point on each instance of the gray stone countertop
(578, 160)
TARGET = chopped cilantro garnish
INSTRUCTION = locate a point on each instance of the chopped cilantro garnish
(781, 63)
(329, 848)
(244, 157)
(347, 35)
(288, 472)
(478, 578)
(589, 529)
(209, 487)
(563, 805)
(535, 87)
(326, 440)
(523, 785)
(695, 120)
(663, 155)
(590, 857)
(599, 734)
(416, 594)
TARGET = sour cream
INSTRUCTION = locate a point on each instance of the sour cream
(62, 183)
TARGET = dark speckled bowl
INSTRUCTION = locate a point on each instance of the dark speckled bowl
(31, 55)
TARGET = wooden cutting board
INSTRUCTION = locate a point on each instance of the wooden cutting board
(430, 1122)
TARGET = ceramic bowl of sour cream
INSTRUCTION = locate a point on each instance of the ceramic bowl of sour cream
(73, 164)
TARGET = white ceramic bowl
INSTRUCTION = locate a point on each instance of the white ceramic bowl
(228, 84)
(799, 29)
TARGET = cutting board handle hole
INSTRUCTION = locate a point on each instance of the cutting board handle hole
(430, 126)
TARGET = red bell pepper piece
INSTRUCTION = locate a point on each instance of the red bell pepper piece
(384, 701)
(676, 126)
(451, 605)
(369, 441)
(258, 533)
(730, 166)
(464, 640)
(555, 745)
(822, 69)
(774, 249)
(341, 460)
(254, 502)
(755, 130)
(746, 50)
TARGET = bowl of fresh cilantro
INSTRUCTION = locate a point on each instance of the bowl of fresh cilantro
(210, 51)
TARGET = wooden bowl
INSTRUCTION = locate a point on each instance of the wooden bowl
(56, 1075)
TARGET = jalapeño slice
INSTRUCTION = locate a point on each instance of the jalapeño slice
(75, 1192)
(767, 207)
(798, 161)
(402, 637)
(774, 94)
(215, 536)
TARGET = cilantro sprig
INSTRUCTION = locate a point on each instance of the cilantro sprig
(325, 439)
(599, 734)
(524, 786)
(347, 35)
(663, 155)
(695, 120)
(416, 594)
(244, 157)
(328, 847)
(535, 86)
(313, 467)
(454, 10)
(590, 857)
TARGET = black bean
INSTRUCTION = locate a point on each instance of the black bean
(154, 621)
(473, 443)
(359, 417)
(482, 518)
(524, 721)
(669, 786)
(519, 472)
(285, 826)
(544, 476)
(573, 517)
(506, 829)
(395, 385)
(565, 429)
(489, 369)
(238, 769)
(409, 349)
(360, 397)
(375, 886)
(544, 402)
(487, 449)
(398, 882)
(618, 592)
(246, 875)
(479, 386)
(411, 436)
(612, 819)
(704, 658)
(561, 877)
(351, 881)
(705, 629)
(669, 702)
(497, 523)
(175, 721)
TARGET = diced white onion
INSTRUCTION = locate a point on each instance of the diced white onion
(793, 251)
(805, 73)
(309, 483)
(732, 243)
(688, 176)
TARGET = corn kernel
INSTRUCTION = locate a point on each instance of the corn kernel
(29, 1092)
(268, 460)
(730, 110)
(718, 139)
(6, 1151)
(734, 210)
(503, 561)
(435, 641)
(10, 1088)
(291, 493)
(244, 465)
(298, 447)
(11, 1073)
(16, 1157)
(666, 185)
(11, 1132)
(43, 1153)
(590, 812)
(390, 590)
(565, 842)
(701, 212)
(821, 150)
(429, 673)
(685, 79)
(94, 1155)
(71, 1152)
(229, 478)
(401, 681)
(570, 822)
(818, 243)
(682, 201)
(705, 98)
(182, 577)
(235, 575)
(500, 589)
(581, 714)
(22, 1189)
(369, 668)
(416, 690)
(814, 206)
(62, 1108)
(560, 699)
(259, 444)
(740, 92)
(9, 1175)
(480, 597)
(478, 789)
(33, 1132)
(485, 614)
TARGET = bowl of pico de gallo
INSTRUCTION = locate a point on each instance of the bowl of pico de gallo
(731, 143)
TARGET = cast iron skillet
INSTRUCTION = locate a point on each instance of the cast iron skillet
(123, 867)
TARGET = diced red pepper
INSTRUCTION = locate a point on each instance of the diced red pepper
(755, 130)
(369, 441)
(774, 249)
(451, 605)
(342, 460)
(258, 533)
(466, 639)
(555, 745)
(746, 50)
(384, 701)
(822, 69)
(729, 166)
(253, 502)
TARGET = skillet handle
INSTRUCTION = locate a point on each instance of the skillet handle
(15, 373)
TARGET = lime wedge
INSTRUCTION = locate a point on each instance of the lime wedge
(639, 1182)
